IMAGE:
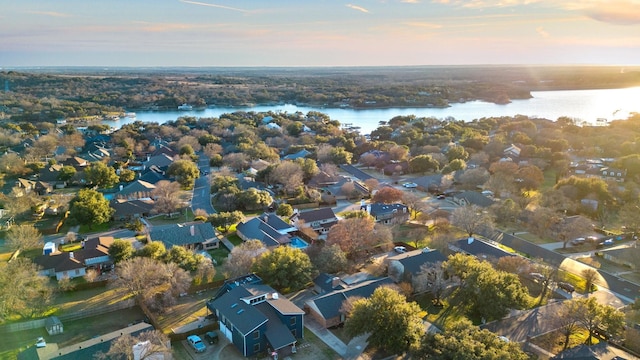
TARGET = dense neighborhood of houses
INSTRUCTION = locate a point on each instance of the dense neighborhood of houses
(304, 199)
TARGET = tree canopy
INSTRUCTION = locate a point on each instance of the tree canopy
(394, 324)
(90, 207)
(285, 268)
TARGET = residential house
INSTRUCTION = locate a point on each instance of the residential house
(326, 283)
(162, 147)
(388, 214)
(478, 248)
(609, 173)
(300, 154)
(77, 162)
(258, 165)
(161, 161)
(153, 175)
(39, 187)
(270, 229)
(256, 318)
(436, 183)
(326, 307)
(50, 175)
(138, 189)
(404, 267)
(601, 350)
(195, 235)
(93, 255)
(472, 198)
(127, 210)
(88, 348)
(320, 220)
(512, 152)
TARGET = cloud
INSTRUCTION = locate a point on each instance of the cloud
(619, 12)
(212, 5)
(540, 30)
(50, 13)
(410, 1)
(423, 25)
(164, 27)
(356, 7)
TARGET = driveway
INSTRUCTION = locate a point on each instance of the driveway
(202, 189)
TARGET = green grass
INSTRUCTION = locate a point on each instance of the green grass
(549, 180)
(175, 219)
(234, 239)
(85, 229)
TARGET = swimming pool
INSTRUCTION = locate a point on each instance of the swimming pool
(298, 243)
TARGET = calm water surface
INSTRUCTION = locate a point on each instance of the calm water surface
(586, 106)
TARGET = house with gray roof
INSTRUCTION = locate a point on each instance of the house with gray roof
(138, 189)
(326, 308)
(388, 213)
(404, 267)
(472, 198)
(478, 248)
(256, 318)
(270, 229)
(300, 154)
(320, 220)
(194, 235)
(126, 210)
(94, 254)
(162, 161)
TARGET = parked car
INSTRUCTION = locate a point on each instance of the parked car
(40, 343)
(441, 197)
(537, 277)
(410, 185)
(211, 337)
(607, 242)
(578, 241)
(566, 287)
(400, 249)
(196, 343)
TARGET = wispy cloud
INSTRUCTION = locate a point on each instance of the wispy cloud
(423, 24)
(410, 1)
(50, 13)
(164, 27)
(540, 30)
(356, 7)
(618, 12)
(213, 5)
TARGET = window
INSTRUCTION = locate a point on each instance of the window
(256, 347)
(256, 334)
(293, 332)
(77, 271)
(292, 321)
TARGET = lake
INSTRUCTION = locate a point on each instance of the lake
(586, 106)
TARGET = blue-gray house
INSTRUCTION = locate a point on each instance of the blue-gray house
(257, 319)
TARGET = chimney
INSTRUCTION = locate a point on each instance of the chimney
(193, 230)
(265, 218)
(274, 296)
(335, 281)
(71, 255)
(121, 187)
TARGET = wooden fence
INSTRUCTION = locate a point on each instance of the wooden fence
(38, 323)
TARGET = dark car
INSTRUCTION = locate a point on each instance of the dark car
(566, 287)
(211, 337)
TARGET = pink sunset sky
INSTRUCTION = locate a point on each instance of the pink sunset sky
(317, 32)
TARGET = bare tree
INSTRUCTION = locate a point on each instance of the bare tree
(145, 277)
(590, 276)
(166, 197)
(414, 203)
(568, 228)
(23, 237)
(360, 237)
(149, 345)
(434, 279)
(289, 174)
(242, 257)
(567, 320)
(371, 184)
(471, 219)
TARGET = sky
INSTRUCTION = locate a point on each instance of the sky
(271, 33)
